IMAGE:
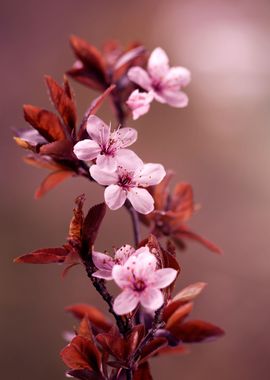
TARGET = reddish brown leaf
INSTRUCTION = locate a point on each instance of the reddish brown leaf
(45, 122)
(190, 292)
(44, 256)
(156, 250)
(92, 223)
(51, 181)
(67, 269)
(197, 331)
(143, 372)
(126, 61)
(67, 88)
(186, 295)
(81, 353)
(111, 51)
(182, 201)
(161, 191)
(134, 339)
(178, 316)
(184, 232)
(94, 106)
(84, 329)
(152, 348)
(75, 227)
(173, 350)
(42, 162)
(94, 315)
(58, 150)
(91, 59)
(170, 261)
(62, 102)
(82, 75)
(114, 344)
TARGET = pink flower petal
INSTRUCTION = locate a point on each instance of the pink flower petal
(139, 103)
(158, 64)
(121, 276)
(103, 177)
(98, 130)
(141, 200)
(105, 274)
(106, 162)
(145, 266)
(123, 253)
(149, 175)
(176, 77)
(164, 277)
(86, 150)
(127, 136)
(175, 99)
(151, 298)
(115, 196)
(142, 250)
(139, 76)
(102, 261)
(158, 96)
(128, 159)
(138, 112)
(125, 302)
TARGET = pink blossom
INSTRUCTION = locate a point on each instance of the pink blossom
(161, 81)
(105, 146)
(141, 282)
(104, 263)
(139, 103)
(129, 183)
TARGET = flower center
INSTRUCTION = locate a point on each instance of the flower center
(157, 86)
(125, 178)
(139, 285)
(110, 148)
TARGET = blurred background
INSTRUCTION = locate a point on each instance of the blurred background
(220, 143)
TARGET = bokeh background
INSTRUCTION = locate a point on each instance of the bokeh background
(220, 143)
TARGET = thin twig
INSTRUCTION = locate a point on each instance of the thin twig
(135, 222)
(129, 374)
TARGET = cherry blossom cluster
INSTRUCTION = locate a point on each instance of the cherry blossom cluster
(118, 168)
(134, 271)
(148, 320)
(159, 82)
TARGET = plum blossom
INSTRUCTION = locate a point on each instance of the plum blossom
(139, 103)
(105, 146)
(163, 83)
(129, 183)
(141, 282)
(104, 263)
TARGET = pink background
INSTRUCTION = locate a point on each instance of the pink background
(220, 143)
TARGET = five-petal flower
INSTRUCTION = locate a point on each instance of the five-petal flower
(141, 282)
(105, 146)
(162, 82)
(129, 183)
